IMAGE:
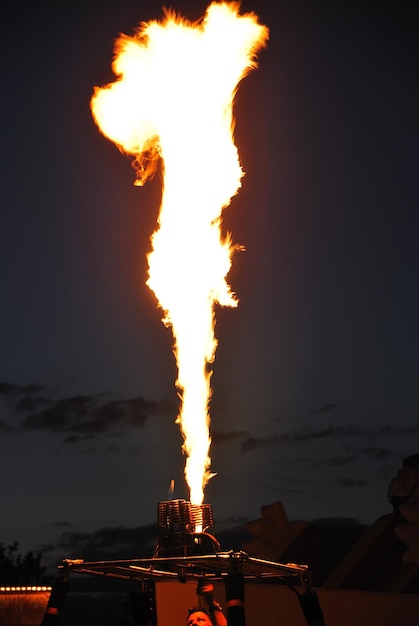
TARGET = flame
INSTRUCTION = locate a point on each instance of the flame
(172, 104)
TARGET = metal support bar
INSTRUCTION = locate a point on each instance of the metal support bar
(56, 601)
(234, 587)
(309, 603)
(143, 604)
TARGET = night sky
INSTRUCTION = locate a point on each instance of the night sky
(315, 399)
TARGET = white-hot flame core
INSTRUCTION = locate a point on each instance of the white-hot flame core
(173, 101)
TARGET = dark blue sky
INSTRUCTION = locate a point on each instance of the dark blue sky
(315, 396)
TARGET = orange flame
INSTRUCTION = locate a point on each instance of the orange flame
(173, 103)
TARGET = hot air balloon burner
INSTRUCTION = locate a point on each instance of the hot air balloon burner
(183, 529)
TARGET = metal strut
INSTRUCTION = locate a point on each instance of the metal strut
(309, 602)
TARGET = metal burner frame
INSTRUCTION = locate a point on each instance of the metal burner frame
(218, 566)
(211, 566)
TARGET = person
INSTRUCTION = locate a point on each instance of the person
(211, 616)
(408, 532)
(403, 493)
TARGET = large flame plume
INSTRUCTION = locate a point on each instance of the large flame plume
(172, 103)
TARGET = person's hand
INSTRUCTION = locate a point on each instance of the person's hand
(408, 533)
(206, 590)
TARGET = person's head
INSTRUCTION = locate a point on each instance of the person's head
(198, 617)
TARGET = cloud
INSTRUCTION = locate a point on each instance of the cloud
(337, 461)
(329, 406)
(255, 443)
(4, 425)
(11, 389)
(351, 482)
(103, 544)
(22, 398)
(352, 454)
(249, 443)
(340, 522)
(382, 454)
(231, 436)
(61, 525)
(82, 415)
(79, 417)
(74, 439)
(116, 542)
